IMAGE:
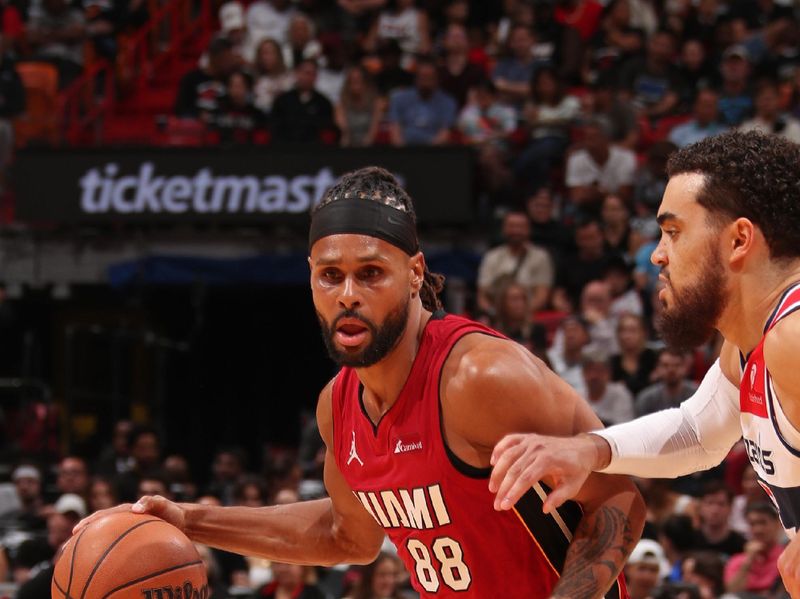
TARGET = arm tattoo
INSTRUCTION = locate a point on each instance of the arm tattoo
(598, 552)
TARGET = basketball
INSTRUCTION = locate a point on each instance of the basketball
(126, 556)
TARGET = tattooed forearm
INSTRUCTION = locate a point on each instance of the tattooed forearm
(598, 552)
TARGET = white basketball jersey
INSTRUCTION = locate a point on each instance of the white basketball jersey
(772, 442)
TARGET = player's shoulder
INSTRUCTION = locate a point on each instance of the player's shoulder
(477, 361)
(781, 348)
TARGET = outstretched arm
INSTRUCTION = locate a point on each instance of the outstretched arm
(665, 444)
(499, 388)
(322, 532)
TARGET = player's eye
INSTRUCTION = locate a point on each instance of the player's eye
(331, 275)
(371, 272)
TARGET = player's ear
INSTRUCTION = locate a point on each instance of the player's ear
(416, 264)
(742, 236)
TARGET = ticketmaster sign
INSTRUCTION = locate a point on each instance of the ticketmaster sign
(226, 185)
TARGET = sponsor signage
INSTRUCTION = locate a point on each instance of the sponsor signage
(233, 185)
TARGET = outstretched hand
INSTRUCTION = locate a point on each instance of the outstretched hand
(154, 505)
(521, 460)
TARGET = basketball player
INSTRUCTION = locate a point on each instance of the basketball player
(410, 422)
(730, 257)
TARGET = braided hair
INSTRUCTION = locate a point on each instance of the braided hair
(379, 185)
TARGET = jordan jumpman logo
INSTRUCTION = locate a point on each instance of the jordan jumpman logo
(353, 452)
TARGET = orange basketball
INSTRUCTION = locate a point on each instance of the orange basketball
(126, 556)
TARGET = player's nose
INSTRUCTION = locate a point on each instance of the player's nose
(659, 256)
(348, 294)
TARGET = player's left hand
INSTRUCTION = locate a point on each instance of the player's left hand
(789, 567)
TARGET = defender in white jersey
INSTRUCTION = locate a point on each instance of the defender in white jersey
(730, 257)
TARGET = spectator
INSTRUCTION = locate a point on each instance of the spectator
(302, 114)
(513, 318)
(102, 494)
(635, 362)
(238, 120)
(768, 117)
(650, 181)
(422, 115)
(547, 231)
(68, 511)
(330, 79)
(588, 262)
(271, 75)
(612, 402)
(652, 82)
(603, 100)
(234, 27)
(179, 478)
(595, 307)
(566, 359)
(517, 259)
(646, 567)
(379, 580)
(672, 513)
(735, 93)
(549, 115)
(615, 217)
(599, 168)
(695, 70)
(714, 532)
(227, 467)
(201, 91)
(55, 33)
(557, 43)
(269, 19)
(752, 492)
(625, 298)
(513, 74)
(616, 40)
(359, 111)
(485, 120)
(146, 453)
(73, 476)
(30, 516)
(300, 44)
(391, 75)
(116, 458)
(755, 570)
(103, 20)
(705, 121)
(401, 21)
(289, 581)
(583, 15)
(250, 491)
(456, 73)
(704, 569)
(153, 483)
(672, 386)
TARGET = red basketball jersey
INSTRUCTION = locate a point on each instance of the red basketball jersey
(436, 509)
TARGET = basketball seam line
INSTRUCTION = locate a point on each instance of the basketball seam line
(153, 575)
(72, 562)
(108, 550)
(58, 586)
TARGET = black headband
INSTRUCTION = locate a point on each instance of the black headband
(365, 217)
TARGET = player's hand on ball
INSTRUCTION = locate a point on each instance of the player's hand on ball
(154, 505)
(519, 461)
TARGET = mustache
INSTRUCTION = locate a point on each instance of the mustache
(353, 314)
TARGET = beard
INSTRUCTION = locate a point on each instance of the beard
(696, 310)
(383, 338)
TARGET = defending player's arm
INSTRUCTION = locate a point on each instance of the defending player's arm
(498, 389)
(321, 532)
(666, 444)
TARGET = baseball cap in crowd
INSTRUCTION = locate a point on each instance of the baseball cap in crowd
(70, 502)
(736, 51)
(648, 551)
(25, 471)
(231, 16)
